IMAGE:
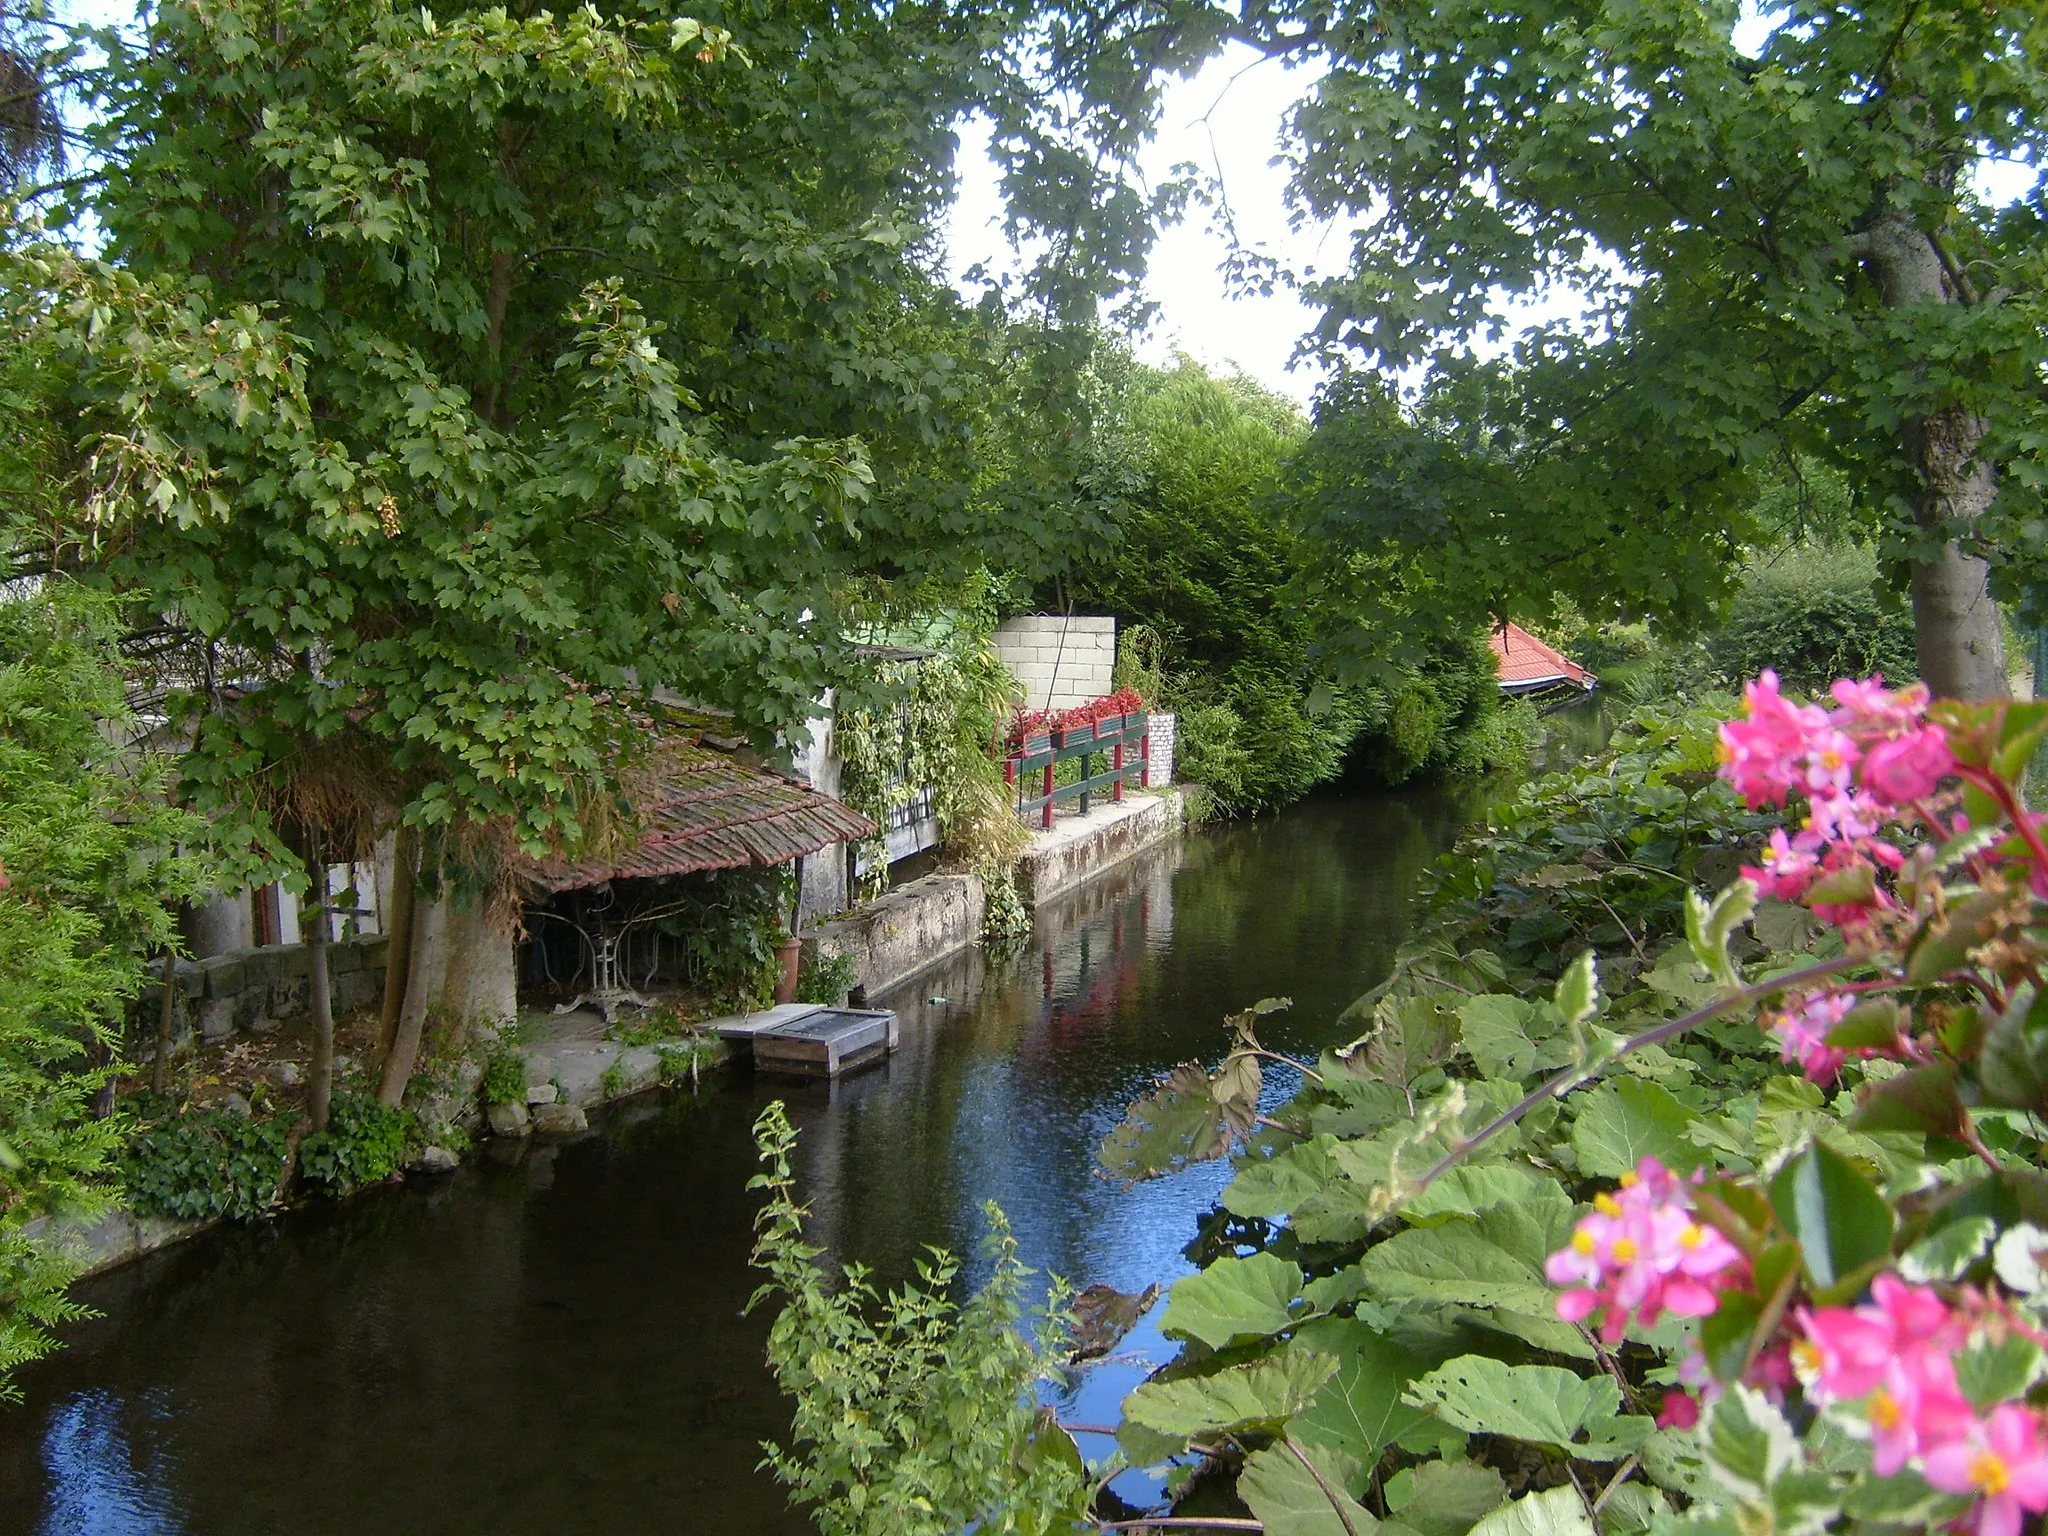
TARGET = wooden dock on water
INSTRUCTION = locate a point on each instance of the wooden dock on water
(811, 1039)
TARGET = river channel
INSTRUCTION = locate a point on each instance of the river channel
(551, 1339)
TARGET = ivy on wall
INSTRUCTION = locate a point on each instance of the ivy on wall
(935, 725)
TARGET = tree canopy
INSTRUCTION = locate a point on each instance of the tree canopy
(452, 383)
(1786, 252)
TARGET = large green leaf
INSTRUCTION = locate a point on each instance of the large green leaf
(1501, 1033)
(1554, 1512)
(1287, 1498)
(1621, 1123)
(1843, 1225)
(1232, 1299)
(1470, 1188)
(1542, 1404)
(1184, 1120)
(1276, 1185)
(1360, 1409)
(1261, 1395)
(1445, 1498)
(1454, 1264)
(1414, 1034)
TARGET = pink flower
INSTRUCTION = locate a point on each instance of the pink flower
(1903, 769)
(1788, 867)
(1681, 1410)
(1802, 1032)
(1641, 1254)
(1869, 708)
(1779, 746)
(1913, 1411)
(2003, 1461)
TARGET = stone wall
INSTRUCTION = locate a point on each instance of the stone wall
(1078, 848)
(1159, 728)
(245, 989)
(904, 930)
(1060, 661)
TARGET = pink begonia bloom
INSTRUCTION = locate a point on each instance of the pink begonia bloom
(1788, 867)
(1766, 754)
(2003, 1460)
(1913, 1411)
(1802, 1032)
(1681, 1410)
(1906, 768)
(1639, 1255)
(1870, 708)
(1849, 1349)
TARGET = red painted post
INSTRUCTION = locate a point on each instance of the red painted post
(1116, 762)
(1046, 819)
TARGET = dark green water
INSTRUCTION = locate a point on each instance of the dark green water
(553, 1342)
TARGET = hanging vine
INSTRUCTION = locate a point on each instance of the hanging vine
(939, 731)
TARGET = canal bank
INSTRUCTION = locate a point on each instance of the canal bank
(551, 1337)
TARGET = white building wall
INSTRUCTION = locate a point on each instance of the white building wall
(1060, 661)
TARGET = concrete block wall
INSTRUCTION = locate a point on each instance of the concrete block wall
(245, 988)
(1061, 661)
(1160, 729)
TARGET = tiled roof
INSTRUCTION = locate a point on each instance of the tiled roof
(1525, 663)
(713, 812)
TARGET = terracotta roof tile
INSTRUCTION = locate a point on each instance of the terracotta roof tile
(1525, 662)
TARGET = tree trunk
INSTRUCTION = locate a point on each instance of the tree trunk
(399, 930)
(1956, 628)
(425, 961)
(160, 1063)
(321, 1088)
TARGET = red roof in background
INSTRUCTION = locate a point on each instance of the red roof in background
(1526, 663)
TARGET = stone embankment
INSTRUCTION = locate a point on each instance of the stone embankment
(571, 1066)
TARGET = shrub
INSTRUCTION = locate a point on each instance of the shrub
(824, 978)
(504, 1079)
(1813, 614)
(206, 1164)
(365, 1143)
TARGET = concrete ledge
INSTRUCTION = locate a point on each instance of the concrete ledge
(593, 1070)
(110, 1240)
(904, 930)
(1079, 848)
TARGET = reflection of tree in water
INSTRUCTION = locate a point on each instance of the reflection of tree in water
(1008, 1076)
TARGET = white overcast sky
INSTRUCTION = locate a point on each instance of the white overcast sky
(1227, 121)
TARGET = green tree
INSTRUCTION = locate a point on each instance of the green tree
(90, 861)
(1786, 254)
(452, 383)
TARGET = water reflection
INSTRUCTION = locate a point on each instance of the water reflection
(554, 1341)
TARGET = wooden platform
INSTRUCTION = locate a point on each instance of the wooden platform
(811, 1040)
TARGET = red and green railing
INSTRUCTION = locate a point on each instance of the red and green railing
(1116, 728)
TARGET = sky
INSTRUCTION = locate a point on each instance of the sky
(1226, 121)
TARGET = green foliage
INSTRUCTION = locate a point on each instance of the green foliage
(915, 1413)
(726, 927)
(1416, 1308)
(468, 377)
(89, 860)
(208, 1163)
(365, 1143)
(1206, 577)
(504, 1078)
(824, 978)
(932, 724)
(1776, 275)
(1813, 615)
